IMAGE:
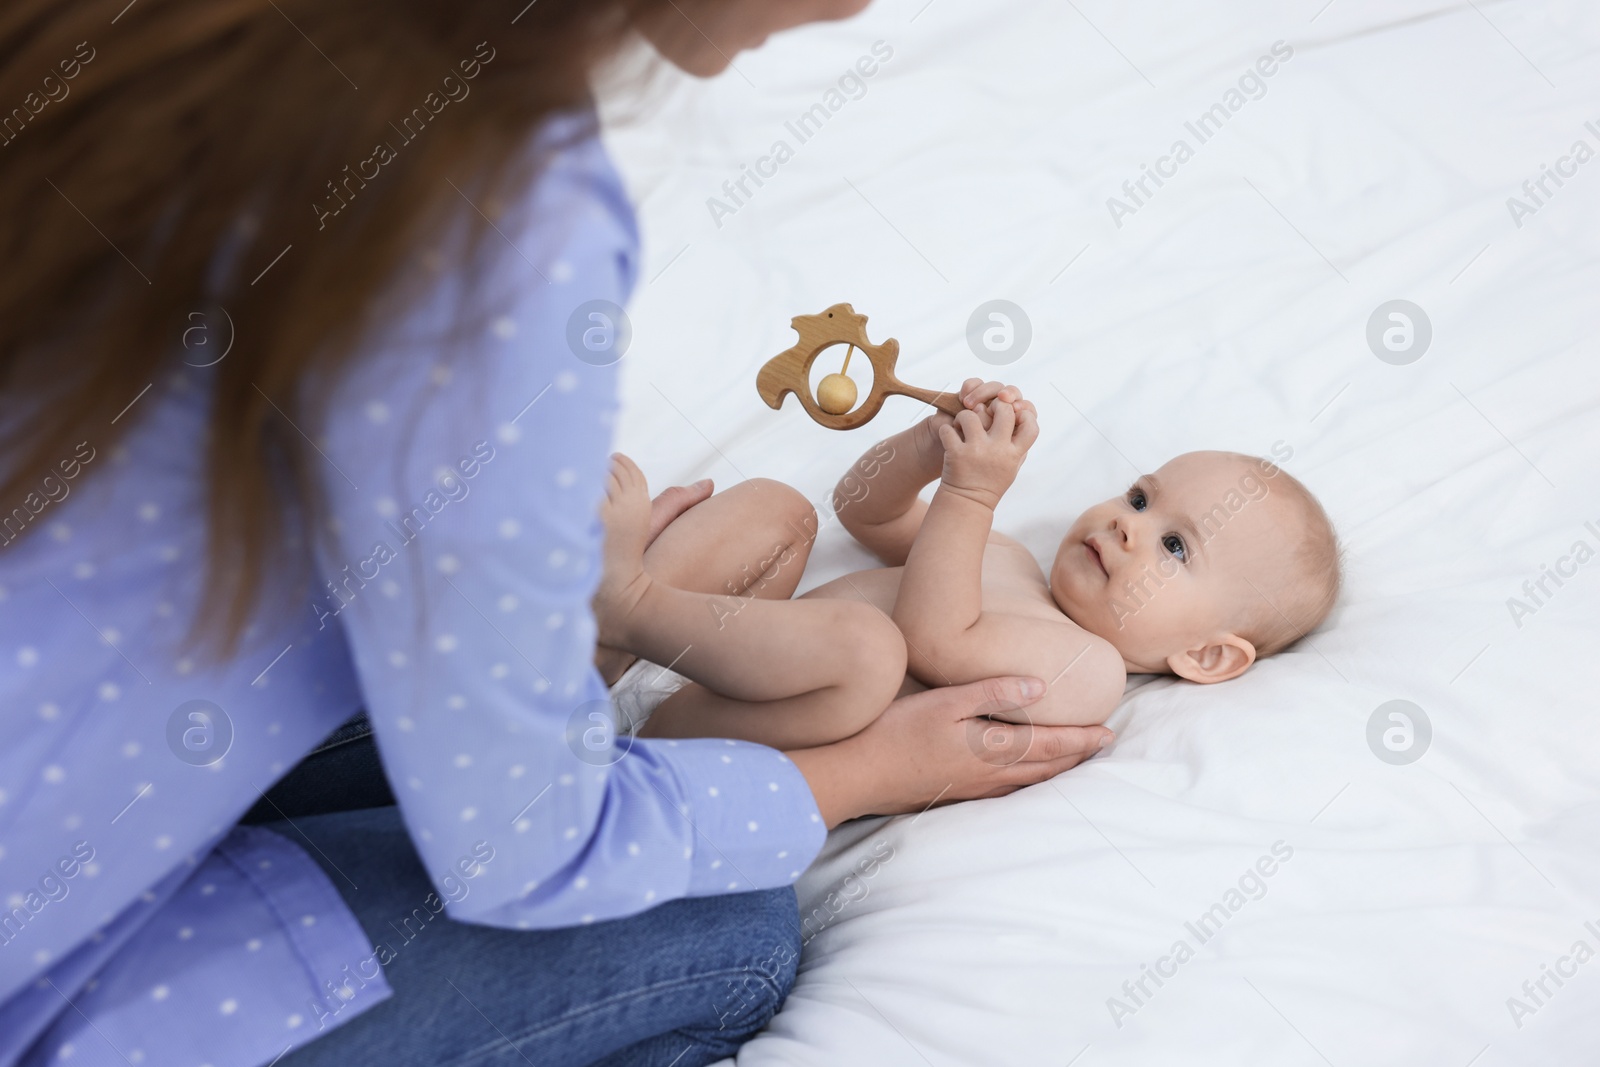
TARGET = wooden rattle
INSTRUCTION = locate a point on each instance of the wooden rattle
(834, 405)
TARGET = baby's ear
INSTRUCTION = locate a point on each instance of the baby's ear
(1225, 656)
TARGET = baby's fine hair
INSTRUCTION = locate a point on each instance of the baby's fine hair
(1311, 585)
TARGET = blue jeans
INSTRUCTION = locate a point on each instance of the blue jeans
(683, 984)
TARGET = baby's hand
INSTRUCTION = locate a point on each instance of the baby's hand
(975, 395)
(981, 462)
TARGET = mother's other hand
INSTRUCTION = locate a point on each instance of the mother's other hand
(937, 747)
(667, 506)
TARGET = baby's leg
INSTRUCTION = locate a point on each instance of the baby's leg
(816, 718)
(752, 538)
(833, 665)
(749, 540)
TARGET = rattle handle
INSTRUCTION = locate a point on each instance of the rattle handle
(949, 403)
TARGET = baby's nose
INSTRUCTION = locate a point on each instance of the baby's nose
(1133, 532)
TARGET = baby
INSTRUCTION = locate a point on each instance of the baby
(1200, 568)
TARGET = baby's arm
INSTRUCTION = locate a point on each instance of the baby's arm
(877, 501)
(1083, 673)
(950, 639)
(941, 591)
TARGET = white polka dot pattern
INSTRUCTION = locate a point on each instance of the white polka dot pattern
(450, 599)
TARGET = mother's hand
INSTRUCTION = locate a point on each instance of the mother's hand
(667, 506)
(937, 747)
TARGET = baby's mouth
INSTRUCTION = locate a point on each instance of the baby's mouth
(1094, 554)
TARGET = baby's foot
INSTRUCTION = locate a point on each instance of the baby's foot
(613, 663)
(625, 514)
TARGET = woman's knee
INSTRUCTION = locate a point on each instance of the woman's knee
(756, 967)
(771, 960)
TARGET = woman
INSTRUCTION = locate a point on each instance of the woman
(301, 417)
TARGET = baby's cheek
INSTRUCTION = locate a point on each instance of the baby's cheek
(1165, 621)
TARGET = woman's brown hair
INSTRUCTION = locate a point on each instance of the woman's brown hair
(137, 139)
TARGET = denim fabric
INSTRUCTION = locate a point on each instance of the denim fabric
(685, 983)
(342, 773)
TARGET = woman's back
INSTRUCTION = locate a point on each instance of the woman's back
(125, 757)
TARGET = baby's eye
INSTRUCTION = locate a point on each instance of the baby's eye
(1136, 498)
(1174, 544)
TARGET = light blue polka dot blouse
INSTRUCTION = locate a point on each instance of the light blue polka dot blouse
(449, 597)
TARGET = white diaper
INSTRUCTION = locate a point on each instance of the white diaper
(640, 690)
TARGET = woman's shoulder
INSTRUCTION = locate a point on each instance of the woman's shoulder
(576, 202)
(562, 238)
(559, 232)
(537, 305)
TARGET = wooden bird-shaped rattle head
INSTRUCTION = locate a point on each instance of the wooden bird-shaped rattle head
(790, 371)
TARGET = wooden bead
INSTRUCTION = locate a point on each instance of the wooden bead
(790, 371)
(836, 394)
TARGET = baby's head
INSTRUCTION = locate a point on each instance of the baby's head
(1214, 561)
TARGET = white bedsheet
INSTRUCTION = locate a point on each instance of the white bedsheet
(1228, 311)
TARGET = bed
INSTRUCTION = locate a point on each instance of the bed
(1351, 887)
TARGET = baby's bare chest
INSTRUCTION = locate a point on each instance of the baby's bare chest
(1008, 587)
